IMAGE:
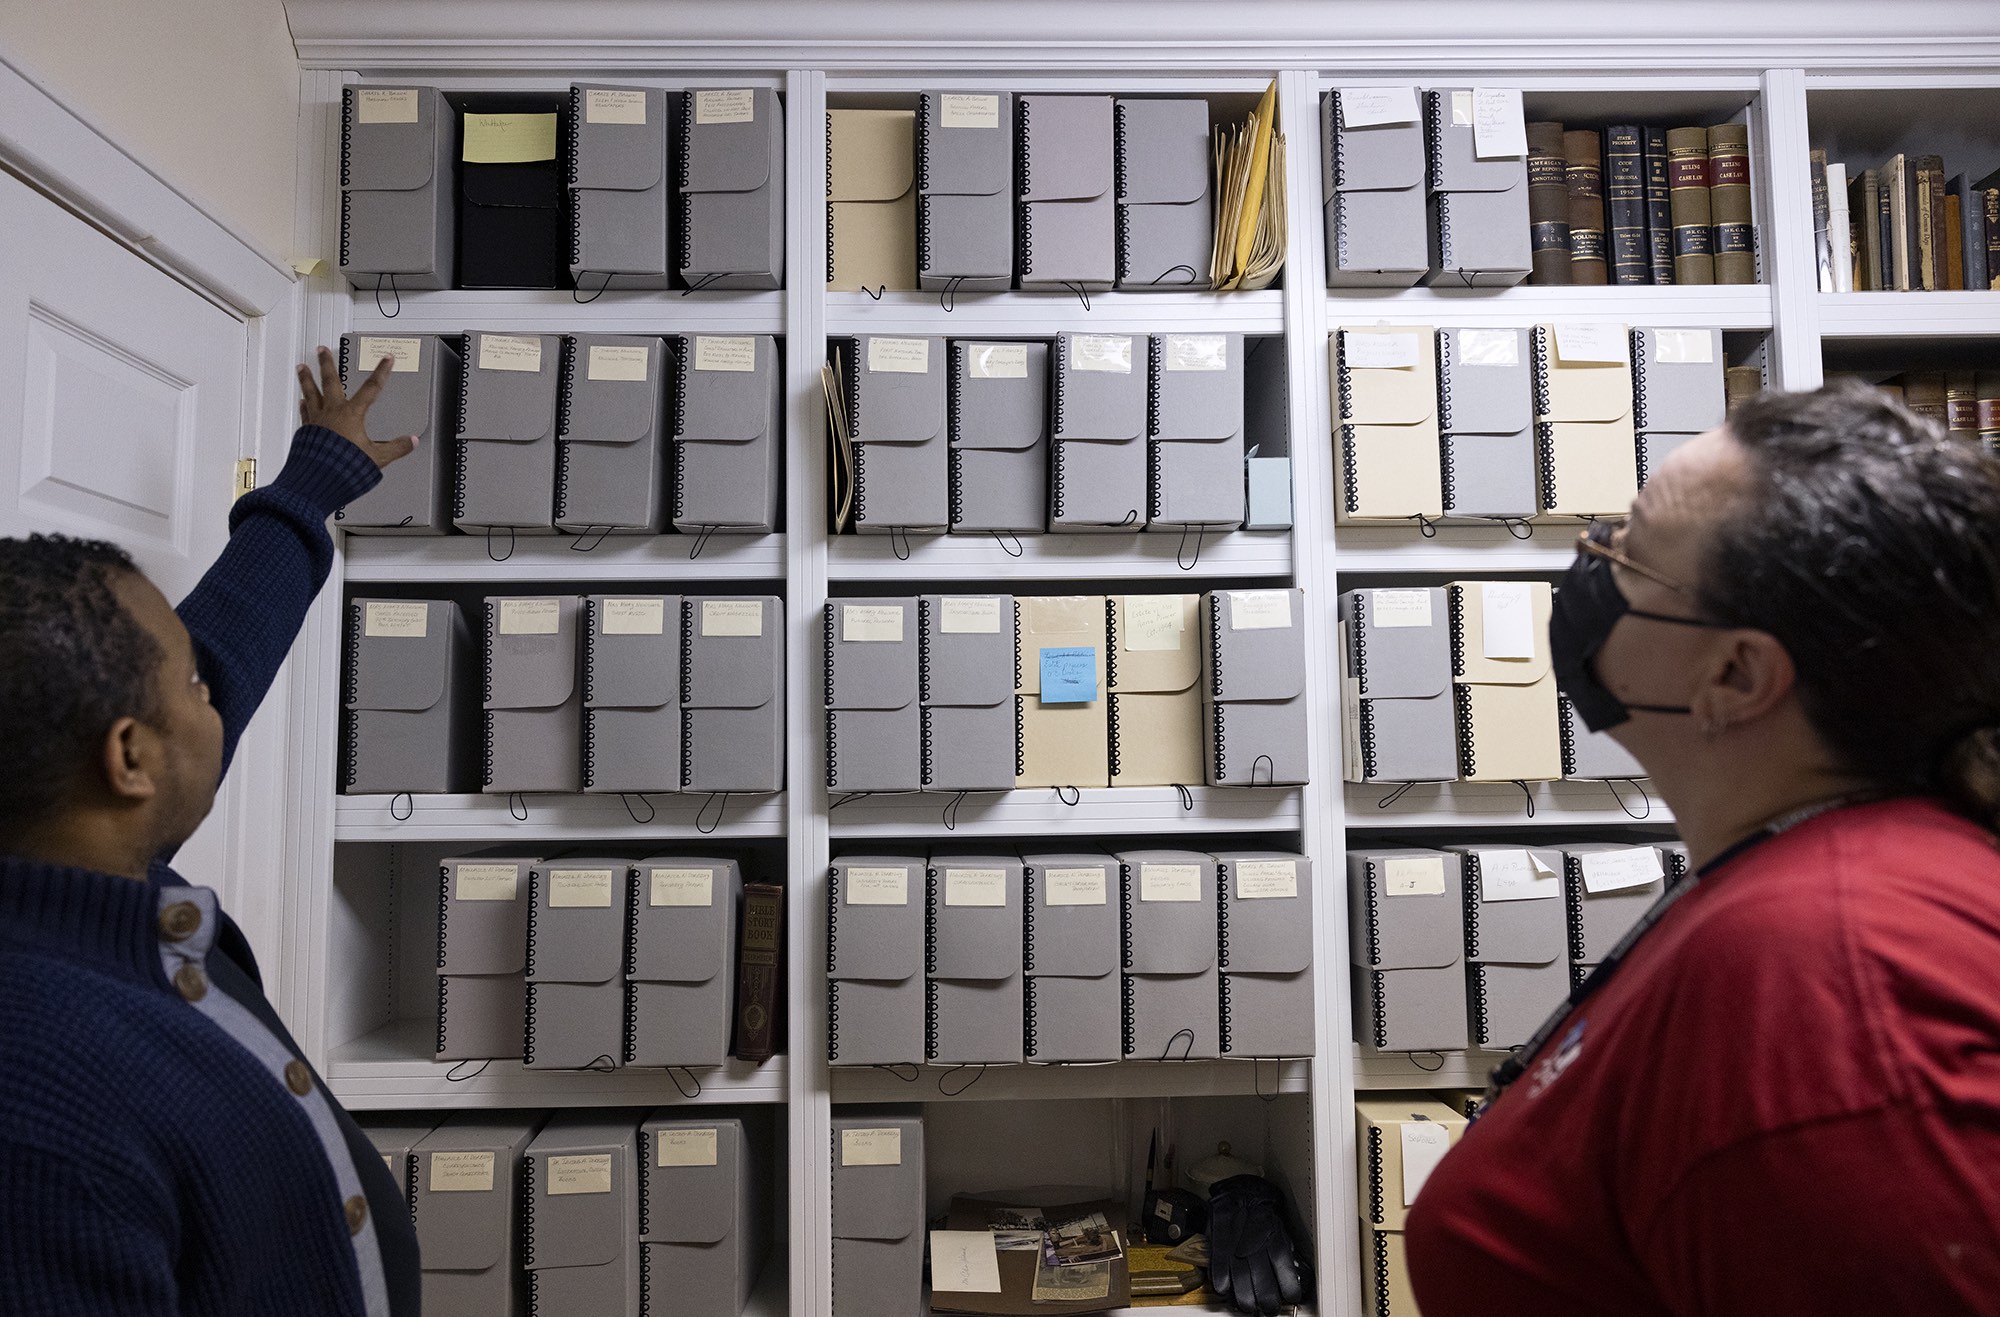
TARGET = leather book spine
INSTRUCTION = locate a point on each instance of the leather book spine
(1989, 202)
(1548, 204)
(1687, 200)
(1864, 201)
(1961, 404)
(759, 972)
(1659, 210)
(1729, 204)
(1930, 171)
(1740, 382)
(1625, 196)
(1584, 172)
(1923, 393)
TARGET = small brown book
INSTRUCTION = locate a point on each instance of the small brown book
(1548, 204)
(1583, 171)
(759, 972)
(1923, 393)
(1687, 197)
(1954, 246)
(1740, 382)
(1734, 239)
(1961, 404)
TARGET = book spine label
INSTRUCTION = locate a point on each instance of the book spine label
(1625, 193)
(1729, 204)
(1659, 213)
(1687, 194)
(759, 976)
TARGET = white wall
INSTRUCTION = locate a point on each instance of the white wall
(205, 93)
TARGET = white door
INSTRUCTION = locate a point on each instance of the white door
(121, 417)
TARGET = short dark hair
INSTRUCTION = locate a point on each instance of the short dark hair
(1868, 544)
(72, 662)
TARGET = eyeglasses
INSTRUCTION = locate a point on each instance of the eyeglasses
(1596, 542)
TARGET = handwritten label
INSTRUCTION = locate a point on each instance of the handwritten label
(1364, 107)
(510, 352)
(682, 887)
(508, 139)
(738, 105)
(1583, 344)
(1684, 347)
(580, 889)
(587, 1173)
(614, 105)
(871, 624)
(1154, 622)
(461, 1172)
(405, 354)
(998, 361)
(1260, 610)
(958, 110)
(1514, 876)
(486, 882)
(964, 1262)
(1413, 875)
(878, 886)
(1392, 609)
(1196, 352)
(871, 1147)
(1507, 615)
(396, 621)
(1069, 675)
(1499, 128)
(386, 104)
(960, 615)
(725, 352)
(609, 362)
(732, 617)
(1489, 347)
(1387, 350)
(1074, 886)
(1259, 880)
(1614, 871)
(634, 617)
(1424, 1145)
(686, 1148)
(899, 356)
(975, 887)
(1170, 882)
(1109, 353)
(530, 617)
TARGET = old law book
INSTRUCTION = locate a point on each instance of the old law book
(1625, 196)
(1729, 204)
(1864, 201)
(1688, 200)
(1584, 171)
(758, 972)
(1659, 210)
(1740, 382)
(1927, 196)
(1548, 204)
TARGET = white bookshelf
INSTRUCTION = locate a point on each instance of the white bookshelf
(369, 1035)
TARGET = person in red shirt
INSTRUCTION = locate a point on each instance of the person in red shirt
(1783, 1097)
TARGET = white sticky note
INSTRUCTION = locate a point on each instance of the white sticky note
(733, 352)
(975, 887)
(871, 623)
(1258, 880)
(1489, 347)
(1170, 882)
(1390, 609)
(618, 362)
(530, 617)
(461, 1172)
(732, 617)
(1413, 875)
(1074, 886)
(396, 621)
(899, 356)
(580, 889)
(1461, 109)
(682, 887)
(635, 617)
(871, 1147)
(1507, 613)
(1578, 344)
(960, 110)
(964, 1262)
(486, 882)
(1363, 107)
(1513, 875)
(1684, 347)
(586, 1173)
(614, 105)
(685, 1148)
(878, 886)
(1154, 623)
(1195, 352)
(406, 355)
(1614, 871)
(962, 615)
(1424, 1145)
(510, 352)
(998, 361)
(1260, 610)
(1110, 353)
(737, 105)
(385, 104)
(1499, 128)
(1387, 351)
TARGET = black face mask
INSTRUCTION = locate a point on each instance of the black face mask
(1587, 606)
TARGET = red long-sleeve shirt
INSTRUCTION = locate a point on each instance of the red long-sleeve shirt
(1786, 1101)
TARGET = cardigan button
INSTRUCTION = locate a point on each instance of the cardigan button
(298, 1078)
(193, 984)
(180, 921)
(357, 1214)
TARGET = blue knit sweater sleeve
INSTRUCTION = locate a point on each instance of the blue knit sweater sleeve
(246, 611)
(81, 1242)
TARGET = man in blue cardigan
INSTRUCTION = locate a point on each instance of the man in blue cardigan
(164, 1148)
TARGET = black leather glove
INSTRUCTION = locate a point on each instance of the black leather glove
(1251, 1263)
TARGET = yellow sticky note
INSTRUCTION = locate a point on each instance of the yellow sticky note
(509, 139)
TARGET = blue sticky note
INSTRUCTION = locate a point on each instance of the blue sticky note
(1069, 676)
